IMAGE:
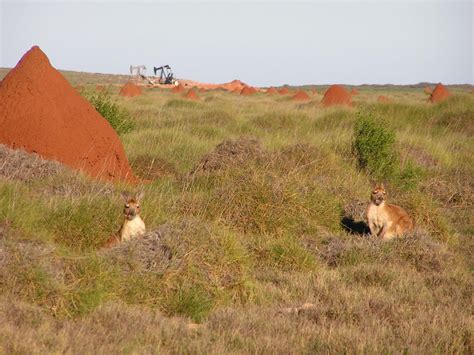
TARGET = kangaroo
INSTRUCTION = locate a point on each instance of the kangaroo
(386, 220)
(133, 226)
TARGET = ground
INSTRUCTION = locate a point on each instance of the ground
(255, 207)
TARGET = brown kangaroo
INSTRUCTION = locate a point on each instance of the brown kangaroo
(386, 220)
(133, 226)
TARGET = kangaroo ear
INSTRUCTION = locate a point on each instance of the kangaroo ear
(140, 195)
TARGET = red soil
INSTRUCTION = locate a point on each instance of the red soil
(191, 95)
(428, 90)
(284, 91)
(354, 91)
(383, 98)
(177, 89)
(233, 85)
(337, 95)
(314, 91)
(130, 90)
(202, 90)
(248, 90)
(271, 91)
(236, 91)
(301, 96)
(440, 93)
(41, 112)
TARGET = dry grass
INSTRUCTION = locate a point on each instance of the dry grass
(255, 205)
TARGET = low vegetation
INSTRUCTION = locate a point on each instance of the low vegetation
(118, 117)
(255, 205)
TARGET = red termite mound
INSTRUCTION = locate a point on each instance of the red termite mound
(202, 90)
(383, 98)
(41, 112)
(300, 96)
(271, 91)
(337, 95)
(248, 90)
(177, 89)
(440, 93)
(284, 91)
(191, 95)
(130, 90)
(234, 85)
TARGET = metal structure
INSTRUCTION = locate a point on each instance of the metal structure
(166, 75)
(139, 72)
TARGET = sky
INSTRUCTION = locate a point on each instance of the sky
(261, 43)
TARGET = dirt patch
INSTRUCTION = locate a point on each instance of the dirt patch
(248, 90)
(130, 90)
(228, 154)
(300, 96)
(383, 99)
(440, 93)
(284, 91)
(337, 95)
(271, 91)
(191, 95)
(40, 112)
(178, 89)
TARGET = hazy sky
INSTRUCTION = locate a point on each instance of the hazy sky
(262, 43)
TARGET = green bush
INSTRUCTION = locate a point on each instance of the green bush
(118, 117)
(374, 147)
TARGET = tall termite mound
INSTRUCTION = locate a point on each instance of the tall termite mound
(440, 93)
(130, 90)
(337, 95)
(40, 112)
(300, 96)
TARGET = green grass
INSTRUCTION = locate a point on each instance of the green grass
(260, 232)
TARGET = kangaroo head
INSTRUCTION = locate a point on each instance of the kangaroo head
(131, 208)
(378, 194)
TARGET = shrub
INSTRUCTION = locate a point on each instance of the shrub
(118, 117)
(374, 147)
